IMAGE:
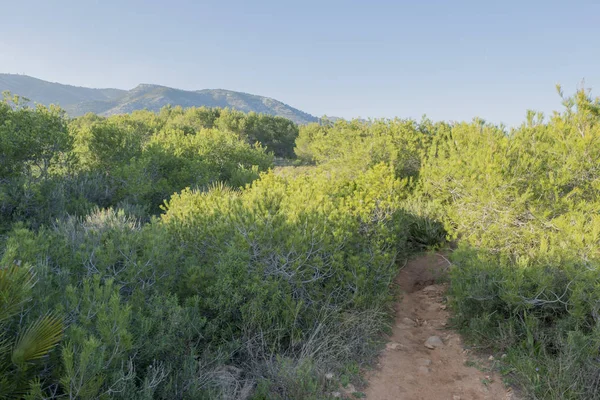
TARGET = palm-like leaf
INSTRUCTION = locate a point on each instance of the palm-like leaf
(15, 285)
(5, 345)
(37, 340)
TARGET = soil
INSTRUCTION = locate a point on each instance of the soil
(407, 369)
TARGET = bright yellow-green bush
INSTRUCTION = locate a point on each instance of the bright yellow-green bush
(357, 145)
(524, 206)
(280, 276)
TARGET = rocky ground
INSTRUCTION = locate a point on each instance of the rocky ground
(424, 359)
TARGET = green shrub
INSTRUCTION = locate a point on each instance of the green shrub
(523, 205)
(170, 262)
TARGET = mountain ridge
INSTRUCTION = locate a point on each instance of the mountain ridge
(79, 100)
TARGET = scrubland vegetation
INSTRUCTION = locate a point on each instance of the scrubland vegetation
(158, 255)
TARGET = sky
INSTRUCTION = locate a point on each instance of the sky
(451, 60)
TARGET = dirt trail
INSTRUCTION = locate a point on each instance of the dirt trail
(407, 369)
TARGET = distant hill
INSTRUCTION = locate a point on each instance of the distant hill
(80, 100)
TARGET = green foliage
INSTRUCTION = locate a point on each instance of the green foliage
(21, 345)
(32, 141)
(51, 167)
(37, 340)
(76, 203)
(248, 282)
(236, 277)
(357, 145)
(169, 261)
(523, 204)
(15, 285)
(276, 134)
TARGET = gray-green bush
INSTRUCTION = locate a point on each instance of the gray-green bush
(175, 265)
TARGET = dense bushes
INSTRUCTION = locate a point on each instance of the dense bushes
(285, 277)
(356, 145)
(277, 134)
(52, 167)
(169, 264)
(524, 206)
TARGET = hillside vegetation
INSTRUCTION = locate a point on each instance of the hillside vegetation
(78, 101)
(158, 255)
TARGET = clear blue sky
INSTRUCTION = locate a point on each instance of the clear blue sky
(451, 60)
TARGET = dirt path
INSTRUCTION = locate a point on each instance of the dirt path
(407, 369)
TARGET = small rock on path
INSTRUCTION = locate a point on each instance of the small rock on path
(427, 368)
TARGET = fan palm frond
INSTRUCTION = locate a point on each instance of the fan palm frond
(15, 285)
(37, 340)
(5, 345)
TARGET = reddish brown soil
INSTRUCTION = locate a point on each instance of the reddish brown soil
(407, 370)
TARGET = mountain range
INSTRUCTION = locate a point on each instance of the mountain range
(77, 101)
